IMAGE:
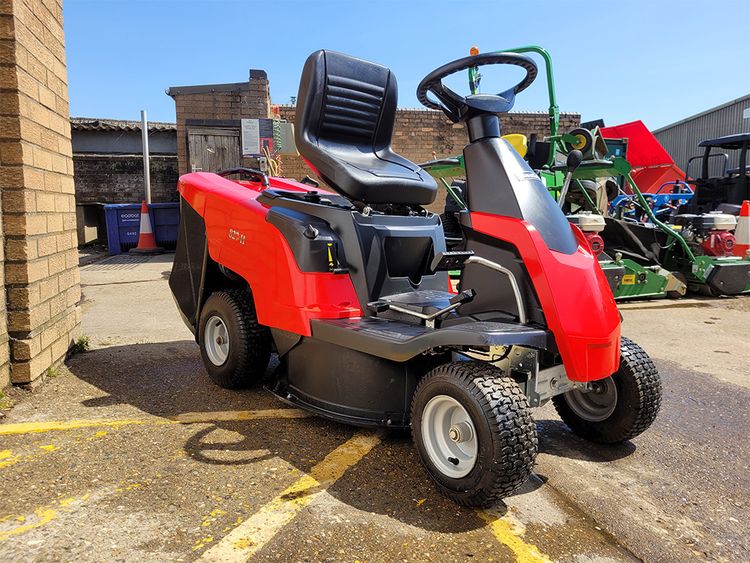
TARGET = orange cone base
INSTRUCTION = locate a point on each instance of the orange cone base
(152, 250)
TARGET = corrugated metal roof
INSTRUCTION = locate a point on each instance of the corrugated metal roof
(681, 139)
(99, 124)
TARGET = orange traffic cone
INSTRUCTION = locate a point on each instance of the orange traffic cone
(146, 240)
(742, 232)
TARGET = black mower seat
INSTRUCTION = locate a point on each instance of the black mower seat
(346, 109)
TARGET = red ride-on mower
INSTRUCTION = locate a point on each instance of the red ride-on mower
(350, 289)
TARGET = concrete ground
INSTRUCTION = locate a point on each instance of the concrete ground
(132, 454)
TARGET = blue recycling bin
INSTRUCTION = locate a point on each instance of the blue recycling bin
(124, 220)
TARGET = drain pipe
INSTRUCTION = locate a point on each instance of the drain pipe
(146, 166)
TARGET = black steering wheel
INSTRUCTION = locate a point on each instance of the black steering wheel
(457, 107)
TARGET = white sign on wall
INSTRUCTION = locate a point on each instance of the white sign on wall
(746, 113)
(250, 131)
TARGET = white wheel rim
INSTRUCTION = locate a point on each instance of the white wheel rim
(596, 404)
(449, 436)
(216, 340)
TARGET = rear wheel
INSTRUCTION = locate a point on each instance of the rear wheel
(474, 432)
(235, 348)
(619, 407)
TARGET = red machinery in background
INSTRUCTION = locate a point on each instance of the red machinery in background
(652, 165)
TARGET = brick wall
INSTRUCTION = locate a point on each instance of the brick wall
(4, 345)
(422, 135)
(119, 178)
(36, 179)
(246, 101)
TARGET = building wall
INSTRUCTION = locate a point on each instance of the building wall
(123, 142)
(36, 179)
(422, 135)
(681, 139)
(111, 178)
(250, 100)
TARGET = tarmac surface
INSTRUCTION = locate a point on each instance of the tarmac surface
(131, 454)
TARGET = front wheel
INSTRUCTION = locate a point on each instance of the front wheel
(235, 347)
(474, 432)
(619, 407)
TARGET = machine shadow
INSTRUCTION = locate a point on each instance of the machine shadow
(167, 379)
(555, 438)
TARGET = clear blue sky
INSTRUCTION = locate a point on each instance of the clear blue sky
(655, 60)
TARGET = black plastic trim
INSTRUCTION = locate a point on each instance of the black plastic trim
(309, 238)
(729, 278)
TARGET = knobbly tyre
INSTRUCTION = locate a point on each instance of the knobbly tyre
(350, 288)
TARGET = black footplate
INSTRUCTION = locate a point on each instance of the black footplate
(450, 260)
(400, 341)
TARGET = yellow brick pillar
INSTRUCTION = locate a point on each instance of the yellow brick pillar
(36, 184)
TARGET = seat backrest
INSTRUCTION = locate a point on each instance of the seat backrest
(345, 101)
(346, 109)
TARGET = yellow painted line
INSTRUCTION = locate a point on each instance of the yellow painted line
(193, 417)
(255, 532)
(41, 516)
(8, 458)
(53, 425)
(510, 532)
(185, 418)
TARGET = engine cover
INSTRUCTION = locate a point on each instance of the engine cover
(718, 243)
(707, 221)
(595, 241)
(587, 222)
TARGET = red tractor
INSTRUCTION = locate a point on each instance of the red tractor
(350, 288)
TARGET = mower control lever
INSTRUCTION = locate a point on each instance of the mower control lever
(574, 161)
(466, 296)
(380, 306)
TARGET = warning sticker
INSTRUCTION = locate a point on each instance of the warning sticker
(628, 279)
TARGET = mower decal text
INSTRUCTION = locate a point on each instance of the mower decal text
(237, 236)
(628, 279)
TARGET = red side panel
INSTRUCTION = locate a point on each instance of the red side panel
(240, 238)
(577, 301)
